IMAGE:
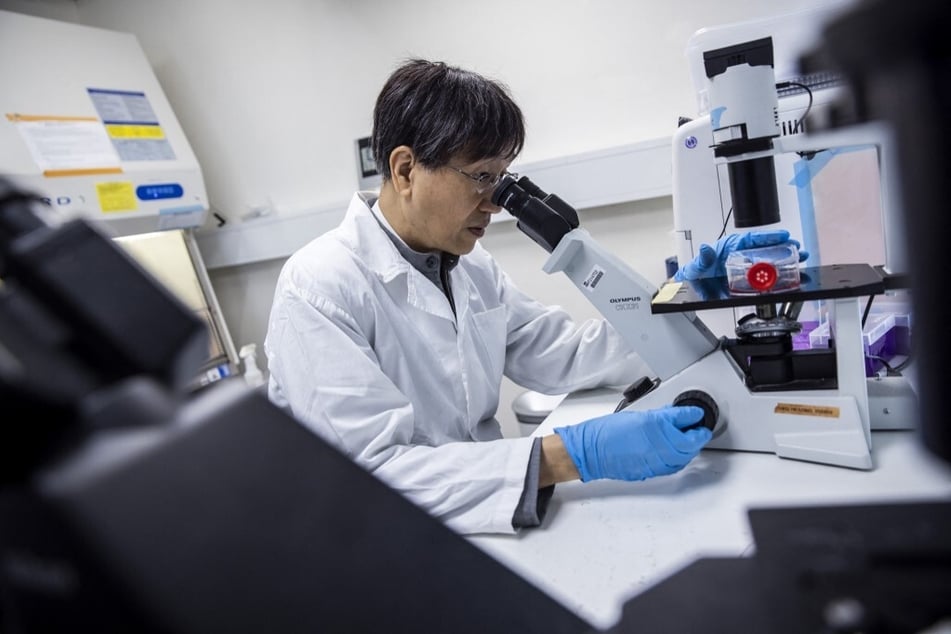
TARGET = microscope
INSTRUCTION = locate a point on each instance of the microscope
(759, 392)
(837, 187)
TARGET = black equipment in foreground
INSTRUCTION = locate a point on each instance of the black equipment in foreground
(128, 505)
(871, 569)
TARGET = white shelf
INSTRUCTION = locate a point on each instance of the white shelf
(626, 173)
(636, 171)
(267, 238)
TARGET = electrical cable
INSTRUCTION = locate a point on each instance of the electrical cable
(726, 221)
(868, 309)
(787, 84)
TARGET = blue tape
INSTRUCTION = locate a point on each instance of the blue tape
(804, 171)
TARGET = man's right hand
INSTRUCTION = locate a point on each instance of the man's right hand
(635, 445)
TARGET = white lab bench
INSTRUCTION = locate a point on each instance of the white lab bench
(604, 542)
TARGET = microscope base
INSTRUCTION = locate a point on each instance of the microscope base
(823, 426)
(892, 403)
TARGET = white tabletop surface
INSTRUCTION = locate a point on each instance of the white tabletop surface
(604, 542)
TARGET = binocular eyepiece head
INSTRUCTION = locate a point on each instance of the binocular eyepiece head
(542, 216)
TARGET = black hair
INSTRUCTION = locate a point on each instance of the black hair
(441, 111)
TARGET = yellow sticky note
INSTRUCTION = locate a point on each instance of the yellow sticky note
(116, 196)
(119, 131)
(666, 293)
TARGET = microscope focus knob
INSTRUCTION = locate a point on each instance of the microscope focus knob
(704, 401)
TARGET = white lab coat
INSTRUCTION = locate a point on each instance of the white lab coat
(365, 351)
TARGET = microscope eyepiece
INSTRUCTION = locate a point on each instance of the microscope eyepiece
(501, 194)
(514, 192)
(545, 218)
(532, 188)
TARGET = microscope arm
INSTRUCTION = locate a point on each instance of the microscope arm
(686, 356)
(668, 343)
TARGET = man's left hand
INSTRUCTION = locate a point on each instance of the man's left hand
(711, 261)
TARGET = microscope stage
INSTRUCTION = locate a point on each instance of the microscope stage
(819, 282)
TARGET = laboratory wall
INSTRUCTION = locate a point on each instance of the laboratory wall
(273, 95)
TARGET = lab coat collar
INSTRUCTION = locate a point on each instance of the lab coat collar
(366, 237)
(421, 261)
(362, 231)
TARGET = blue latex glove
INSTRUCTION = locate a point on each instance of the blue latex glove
(711, 261)
(633, 445)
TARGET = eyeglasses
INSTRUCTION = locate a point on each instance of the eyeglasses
(484, 181)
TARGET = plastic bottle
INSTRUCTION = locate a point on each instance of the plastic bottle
(252, 373)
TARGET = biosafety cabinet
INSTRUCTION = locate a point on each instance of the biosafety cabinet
(85, 125)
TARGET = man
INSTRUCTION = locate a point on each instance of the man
(389, 335)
